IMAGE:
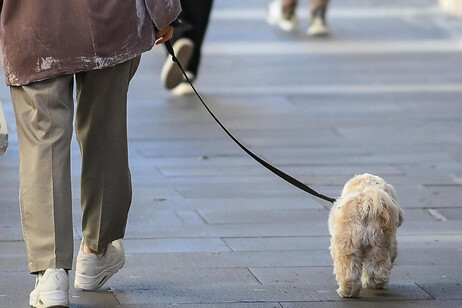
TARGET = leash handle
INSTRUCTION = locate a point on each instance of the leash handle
(267, 165)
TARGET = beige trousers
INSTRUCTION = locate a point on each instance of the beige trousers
(289, 6)
(44, 117)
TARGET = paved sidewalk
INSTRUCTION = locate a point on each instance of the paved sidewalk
(211, 228)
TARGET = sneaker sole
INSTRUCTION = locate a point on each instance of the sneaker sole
(288, 26)
(50, 299)
(92, 283)
(171, 75)
(285, 25)
(316, 32)
(183, 89)
(270, 19)
(318, 28)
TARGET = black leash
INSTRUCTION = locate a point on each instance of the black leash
(270, 167)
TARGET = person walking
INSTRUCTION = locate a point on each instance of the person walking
(47, 46)
(187, 43)
(282, 13)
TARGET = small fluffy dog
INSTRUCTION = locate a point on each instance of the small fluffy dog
(362, 225)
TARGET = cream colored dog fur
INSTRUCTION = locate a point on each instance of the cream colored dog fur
(362, 225)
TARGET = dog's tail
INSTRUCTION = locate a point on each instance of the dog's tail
(380, 207)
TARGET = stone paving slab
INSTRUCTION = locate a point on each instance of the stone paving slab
(153, 216)
(445, 196)
(305, 155)
(165, 294)
(438, 174)
(190, 217)
(276, 229)
(197, 161)
(15, 293)
(175, 245)
(430, 228)
(210, 171)
(146, 230)
(173, 131)
(378, 304)
(451, 213)
(209, 227)
(143, 277)
(273, 188)
(277, 243)
(13, 258)
(232, 259)
(306, 276)
(228, 305)
(86, 299)
(16, 260)
(157, 202)
(229, 216)
(443, 290)
(186, 148)
(359, 71)
(316, 242)
(429, 256)
(422, 275)
(255, 203)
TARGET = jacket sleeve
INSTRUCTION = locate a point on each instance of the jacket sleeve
(163, 12)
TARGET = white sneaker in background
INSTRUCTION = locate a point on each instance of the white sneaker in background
(274, 16)
(318, 25)
(92, 271)
(51, 289)
(183, 89)
(171, 75)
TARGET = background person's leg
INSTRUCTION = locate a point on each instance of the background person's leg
(316, 5)
(318, 24)
(282, 13)
(196, 15)
(288, 8)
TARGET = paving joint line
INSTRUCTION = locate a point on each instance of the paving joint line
(436, 215)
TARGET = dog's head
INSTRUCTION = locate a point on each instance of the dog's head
(366, 182)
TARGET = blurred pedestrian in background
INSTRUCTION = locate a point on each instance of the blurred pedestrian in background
(283, 14)
(187, 43)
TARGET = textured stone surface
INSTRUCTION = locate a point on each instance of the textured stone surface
(209, 227)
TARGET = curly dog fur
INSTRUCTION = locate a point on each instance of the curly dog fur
(362, 225)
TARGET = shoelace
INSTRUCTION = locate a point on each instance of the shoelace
(265, 164)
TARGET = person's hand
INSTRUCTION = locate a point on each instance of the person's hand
(164, 35)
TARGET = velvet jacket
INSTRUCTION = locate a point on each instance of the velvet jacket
(43, 39)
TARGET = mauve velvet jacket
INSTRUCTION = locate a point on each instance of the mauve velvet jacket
(43, 39)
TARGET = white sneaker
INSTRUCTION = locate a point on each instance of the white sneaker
(274, 17)
(92, 271)
(171, 75)
(183, 89)
(51, 289)
(318, 26)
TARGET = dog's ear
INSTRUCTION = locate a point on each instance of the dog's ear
(400, 217)
(391, 191)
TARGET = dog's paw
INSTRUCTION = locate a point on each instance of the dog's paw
(371, 283)
(348, 293)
